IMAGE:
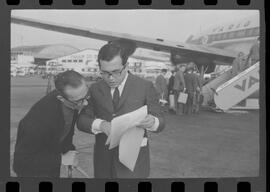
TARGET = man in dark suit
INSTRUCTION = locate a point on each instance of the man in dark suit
(171, 92)
(192, 87)
(179, 86)
(198, 97)
(254, 53)
(238, 64)
(161, 85)
(44, 138)
(119, 92)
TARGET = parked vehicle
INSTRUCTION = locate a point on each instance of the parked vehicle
(21, 73)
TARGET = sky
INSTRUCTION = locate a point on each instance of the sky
(173, 25)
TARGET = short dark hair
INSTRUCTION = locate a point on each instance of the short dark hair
(67, 78)
(164, 70)
(122, 47)
(190, 68)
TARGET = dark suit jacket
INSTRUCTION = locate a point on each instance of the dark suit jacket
(136, 93)
(38, 147)
(191, 82)
(171, 84)
(254, 52)
(161, 86)
(179, 81)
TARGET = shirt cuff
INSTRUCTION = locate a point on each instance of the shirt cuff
(144, 142)
(96, 126)
(155, 126)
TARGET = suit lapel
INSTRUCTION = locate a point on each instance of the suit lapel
(106, 94)
(126, 91)
(60, 118)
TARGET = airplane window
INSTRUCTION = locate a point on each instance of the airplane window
(210, 38)
(249, 32)
(231, 35)
(221, 29)
(69, 61)
(239, 24)
(240, 33)
(256, 31)
(64, 61)
(231, 26)
(75, 61)
(83, 70)
(218, 37)
(224, 36)
(247, 24)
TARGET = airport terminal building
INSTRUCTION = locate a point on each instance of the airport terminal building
(24, 58)
(85, 62)
(42, 53)
(52, 59)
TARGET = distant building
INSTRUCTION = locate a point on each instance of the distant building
(19, 59)
(85, 62)
(40, 53)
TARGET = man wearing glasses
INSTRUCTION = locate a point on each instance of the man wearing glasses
(44, 138)
(119, 92)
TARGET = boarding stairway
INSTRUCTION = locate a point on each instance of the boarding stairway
(227, 92)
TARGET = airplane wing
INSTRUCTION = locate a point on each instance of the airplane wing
(183, 49)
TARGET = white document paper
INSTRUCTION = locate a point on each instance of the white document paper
(129, 147)
(121, 124)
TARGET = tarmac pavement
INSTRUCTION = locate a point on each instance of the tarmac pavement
(202, 145)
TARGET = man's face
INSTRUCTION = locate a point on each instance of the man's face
(77, 96)
(191, 64)
(182, 68)
(113, 72)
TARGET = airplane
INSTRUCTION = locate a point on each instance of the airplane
(180, 52)
(238, 35)
(207, 50)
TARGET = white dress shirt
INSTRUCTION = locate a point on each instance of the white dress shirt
(96, 123)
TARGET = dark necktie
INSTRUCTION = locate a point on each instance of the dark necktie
(115, 99)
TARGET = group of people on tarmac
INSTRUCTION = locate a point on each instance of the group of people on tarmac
(183, 80)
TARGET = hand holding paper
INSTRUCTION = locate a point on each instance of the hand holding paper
(125, 133)
(121, 124)
(105, 127)
(147, 122)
